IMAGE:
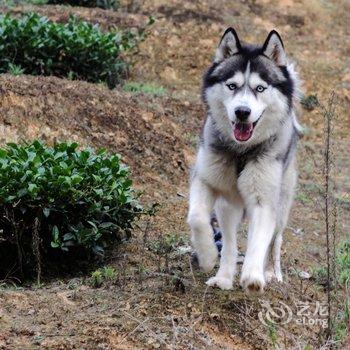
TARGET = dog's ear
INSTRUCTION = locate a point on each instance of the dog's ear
(273, 48)
(229, 45)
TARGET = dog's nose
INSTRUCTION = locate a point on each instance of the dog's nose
(242, 113)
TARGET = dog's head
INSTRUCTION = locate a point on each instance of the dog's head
(249, 89)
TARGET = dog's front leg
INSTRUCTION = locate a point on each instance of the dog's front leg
(261, 229)
(229, 215)
(202, 199)
(259, 185)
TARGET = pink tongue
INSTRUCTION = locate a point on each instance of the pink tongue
(243, 131)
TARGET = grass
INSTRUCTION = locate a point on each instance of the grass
(302, 197)
(15, 70)
(145, 88)
(309, 102)
(320, 275)
(104, 275)
(342, 260)
(192, 139)
(342, 322)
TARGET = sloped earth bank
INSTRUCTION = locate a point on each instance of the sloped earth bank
(159, 300)
(105, 19)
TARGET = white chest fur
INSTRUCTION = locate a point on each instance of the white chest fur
(217, 170)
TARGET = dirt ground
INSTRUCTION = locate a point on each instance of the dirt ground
(159, 299)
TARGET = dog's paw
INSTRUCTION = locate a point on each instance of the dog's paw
(207, 259)
(221, 282)
(253, 282)
(271, 275)
(279, 277)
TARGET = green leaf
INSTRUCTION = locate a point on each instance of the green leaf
(46, 212)
(55, 245)
(68, 236)
(76, 179)
(32, 188)
(106, 224)
(3, 153)
(55, 233)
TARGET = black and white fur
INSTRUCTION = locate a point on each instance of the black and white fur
(256, 176)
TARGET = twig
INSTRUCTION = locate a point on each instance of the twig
(36, 248)
(192, 273)
(174, 331)
(155, 335)
(328, 116)
(134, 330)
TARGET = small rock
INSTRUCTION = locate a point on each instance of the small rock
(150, 341)
(304, 275)
(184, 249)
(179, 194)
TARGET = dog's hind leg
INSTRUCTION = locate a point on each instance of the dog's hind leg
(273, 264)
(276, 256)
(277, 243)
(287, 193)
(202, 199)
(229, 216)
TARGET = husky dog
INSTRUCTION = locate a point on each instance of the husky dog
(246, 159)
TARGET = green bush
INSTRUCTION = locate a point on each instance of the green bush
(75, 49)
(61, 202)
(104, 4)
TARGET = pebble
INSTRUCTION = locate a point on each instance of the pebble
(304, 275)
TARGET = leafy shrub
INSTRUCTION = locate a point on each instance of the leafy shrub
(76, 49)
(61, 202)
(309, 102)
(106, 274)
(104, 4)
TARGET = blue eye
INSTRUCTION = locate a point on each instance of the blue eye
(260, 88)
(232, 86)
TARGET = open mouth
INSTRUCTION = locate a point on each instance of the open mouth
(244, 131)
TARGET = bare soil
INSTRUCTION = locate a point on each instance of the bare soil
(159, 300)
